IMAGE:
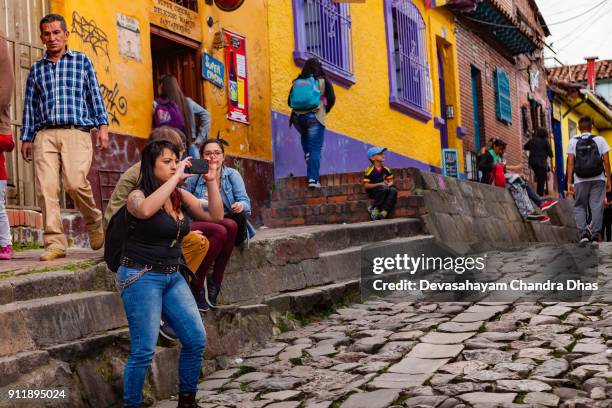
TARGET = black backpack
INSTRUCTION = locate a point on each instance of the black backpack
(120, 227)
(588, 161)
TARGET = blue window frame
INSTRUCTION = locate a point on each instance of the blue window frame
(409, 78)
(503, 102)
(322, 29)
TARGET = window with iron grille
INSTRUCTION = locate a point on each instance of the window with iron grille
(409, 80)
(190, 4)
(323, 30)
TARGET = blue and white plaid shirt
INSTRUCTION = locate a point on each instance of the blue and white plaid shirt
(62, 93)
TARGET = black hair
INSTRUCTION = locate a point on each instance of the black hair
(221, 142)
(585, 123)
(312, 67)
(50, 18)
(152, 150)
(500, 143)
(541, 132)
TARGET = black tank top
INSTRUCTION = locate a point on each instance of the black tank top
(151, 241)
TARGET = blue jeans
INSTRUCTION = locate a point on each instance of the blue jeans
(147, 296)
(312, 132)
(534, 197)
(193, 151)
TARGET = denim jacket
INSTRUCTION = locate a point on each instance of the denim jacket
(232, 191)
(204, 129)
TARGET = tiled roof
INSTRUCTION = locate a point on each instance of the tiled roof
(603, 70)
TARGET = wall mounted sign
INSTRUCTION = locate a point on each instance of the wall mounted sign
(450, 163)
(176, 18)
(237, 82)
(128, 37)
(213, 70)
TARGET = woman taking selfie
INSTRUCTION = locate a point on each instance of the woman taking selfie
(149, 278)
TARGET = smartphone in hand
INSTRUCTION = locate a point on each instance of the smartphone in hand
(198, 166)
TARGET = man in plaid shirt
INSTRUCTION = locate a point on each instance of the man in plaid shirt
(63, 104)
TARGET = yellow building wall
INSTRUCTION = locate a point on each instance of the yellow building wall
(362, 111)
(131, 102)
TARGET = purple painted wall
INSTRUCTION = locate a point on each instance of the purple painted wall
(341, 154)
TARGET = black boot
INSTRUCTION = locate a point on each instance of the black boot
(212, 291)
(187, 400)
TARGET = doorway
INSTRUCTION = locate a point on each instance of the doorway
(178, 56)
(442, 86)
(477, 112)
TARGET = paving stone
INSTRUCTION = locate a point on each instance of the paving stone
(473, 344)
(542, 398)
(520, 368)
(566, 393)
(446, 338)
(374, 399)
(463, 367)
(286, 404)
(276, 383)
(326, 335)
(460, 388)
(317, 404)
(425, 350)
(268, 352)
(372, 367)
(516, 317)
(551, 368)
(294, 351)
(498, 336)
(324, 350)
(409, 335)
(546, 328)
(522, 385)
(490, 356)
(556, 311)
(254, 376)
(581, 373)
(601, 358)
(372, 333)
(501, 326)
(441, 379)
(282, 395)
(350, 356)
(414, 365)
(535, 353)
(488, 398)
(424, 401)
(589, 348)
(345, 367)
(472, 317)
(368, 344)
(493, 310)
(397, 381)
(209, 385)
(491, 375)
(222, 374)
(523, 344)
(541, 319)
(454, 327)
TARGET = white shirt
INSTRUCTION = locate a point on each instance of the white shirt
(603, 148)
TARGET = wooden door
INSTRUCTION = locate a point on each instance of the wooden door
(19, 21)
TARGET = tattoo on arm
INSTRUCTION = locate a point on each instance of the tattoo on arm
(134, 201)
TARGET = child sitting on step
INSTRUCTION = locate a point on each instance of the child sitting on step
(378, 182)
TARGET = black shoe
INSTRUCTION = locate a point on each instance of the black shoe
(200, 299)
(212, 292)
(187, 400)
(585, 238)
(167, 331)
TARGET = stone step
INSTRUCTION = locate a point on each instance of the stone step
(338, 212)
(38, 323)
(46, 284)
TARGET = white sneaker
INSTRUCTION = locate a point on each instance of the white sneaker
(314, 184)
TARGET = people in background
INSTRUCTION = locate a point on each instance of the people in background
(195, 245)
(62, 105)
(588, 179)
(539, 151)
(311, 98)
(488, 162)
(225, 235)
(149, 279)
(378, 183)
(6, 143)
(173, 108)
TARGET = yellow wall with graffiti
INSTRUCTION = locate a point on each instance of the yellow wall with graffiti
(362, 111)
(127, 83)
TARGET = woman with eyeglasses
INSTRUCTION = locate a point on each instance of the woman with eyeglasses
(224, 235)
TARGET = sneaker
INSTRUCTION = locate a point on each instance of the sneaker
(167, 331)
(6, 252)
(52, 253)
(543, 219)
(585, 238)
(313, 184)
(212, 292)
(533, 216)
(96, 237)
(200, 299)
(374, 214)
(546, 205)
(383, 214)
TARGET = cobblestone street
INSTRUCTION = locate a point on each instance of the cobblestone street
(378, 354)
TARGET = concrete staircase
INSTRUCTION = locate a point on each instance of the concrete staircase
(341, 199)
(67, 328)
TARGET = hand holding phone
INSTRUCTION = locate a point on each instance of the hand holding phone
(198, 166)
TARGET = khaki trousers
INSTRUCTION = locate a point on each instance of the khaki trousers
(195, 247)
(67, 152)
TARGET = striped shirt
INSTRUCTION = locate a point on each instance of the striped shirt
(65, 92)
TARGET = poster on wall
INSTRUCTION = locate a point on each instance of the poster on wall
(237, 82)
(450, 163)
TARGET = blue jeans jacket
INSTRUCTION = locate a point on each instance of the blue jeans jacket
(232, 191)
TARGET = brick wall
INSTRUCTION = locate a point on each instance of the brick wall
(473, 51)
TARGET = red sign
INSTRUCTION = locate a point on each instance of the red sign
(237, 83)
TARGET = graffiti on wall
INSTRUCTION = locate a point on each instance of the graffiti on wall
(116, 104)
(91, 35)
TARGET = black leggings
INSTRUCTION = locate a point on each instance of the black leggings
(540, 175)
(384, 197)
(241, 221)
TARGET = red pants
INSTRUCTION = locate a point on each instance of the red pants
(222, 238)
